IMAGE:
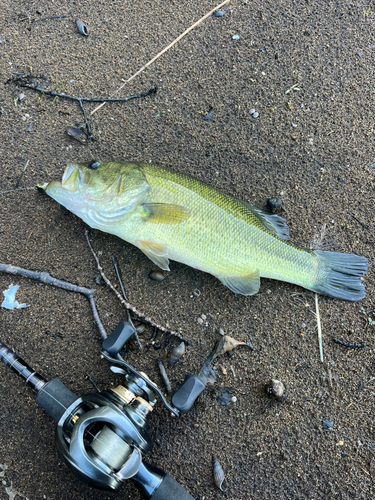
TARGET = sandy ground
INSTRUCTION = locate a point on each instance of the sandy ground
(312, 146)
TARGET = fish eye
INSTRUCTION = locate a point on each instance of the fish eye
(94, 165)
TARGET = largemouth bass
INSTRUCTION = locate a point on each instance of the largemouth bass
(168, 215)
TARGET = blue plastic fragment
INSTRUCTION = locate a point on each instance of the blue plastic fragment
(10, 295)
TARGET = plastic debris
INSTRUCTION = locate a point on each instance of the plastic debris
(328, 424)
(10, 295)
(223, 395)
(235, 37)
(209, 114)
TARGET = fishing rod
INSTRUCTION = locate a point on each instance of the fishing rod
(102, 437)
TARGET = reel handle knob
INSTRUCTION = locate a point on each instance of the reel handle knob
(186, 395)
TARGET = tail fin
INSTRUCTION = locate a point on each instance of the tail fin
(339, 275)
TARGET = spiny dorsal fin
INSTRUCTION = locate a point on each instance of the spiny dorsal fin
(272, 222)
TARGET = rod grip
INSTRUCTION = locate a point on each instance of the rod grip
(55, 398)
(170, 489)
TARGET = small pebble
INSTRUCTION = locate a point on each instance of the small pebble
(236, 37)
(156, 276)
(276, 389)
(252, 111)
(204, 317)
(200, 321)
(234, 399)
(221, 332)
(21, 96)
(256, 114)
(274, 204)
(74, 132)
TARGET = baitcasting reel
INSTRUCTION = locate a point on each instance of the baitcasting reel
(103, 436)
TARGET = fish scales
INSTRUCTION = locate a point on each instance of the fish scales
(169, 215)
(221, 232)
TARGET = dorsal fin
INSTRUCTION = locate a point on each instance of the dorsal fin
(272, 222)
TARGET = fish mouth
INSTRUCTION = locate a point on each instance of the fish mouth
(68, 192)
(74, 178)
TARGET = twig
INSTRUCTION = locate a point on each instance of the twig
(124, 295)
(80, 100)
(218, 7)
(351, 345)
(125, 303)
(19, 189)
(45, 18)
(302, 367)
(164, 375)
(20, 177)
(359, 222)
(46, 278)
(319, 328)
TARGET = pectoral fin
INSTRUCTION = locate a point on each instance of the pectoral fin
(157, 252)
(164, 213)
(245, 285)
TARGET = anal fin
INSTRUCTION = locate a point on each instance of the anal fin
(245, 285)
(157, 252)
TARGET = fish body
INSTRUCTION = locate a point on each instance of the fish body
(172, 216)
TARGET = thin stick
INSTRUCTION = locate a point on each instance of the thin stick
(218, 7)
(45, 18)
(125, 298)
(83, 99)
(164, 376)
(20, 177)
(319, 328)
(46, 278)
(124, 302)
(19, 189)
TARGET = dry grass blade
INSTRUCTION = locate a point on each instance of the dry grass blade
(319, 328)
(218, 7)
(318, 244)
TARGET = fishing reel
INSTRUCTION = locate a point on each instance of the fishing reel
(103, 437)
